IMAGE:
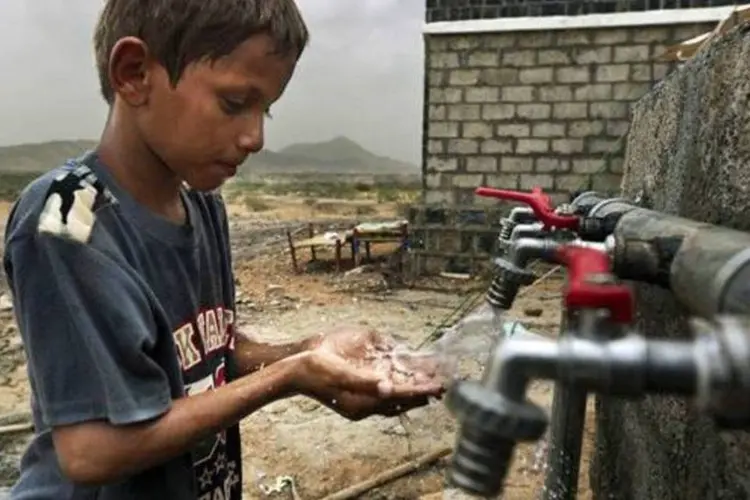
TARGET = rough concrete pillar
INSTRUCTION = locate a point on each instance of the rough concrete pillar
(688, 153)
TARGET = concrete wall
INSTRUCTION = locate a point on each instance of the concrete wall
(688, 153)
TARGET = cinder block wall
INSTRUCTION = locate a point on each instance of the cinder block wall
(515, 110)
(549, 109)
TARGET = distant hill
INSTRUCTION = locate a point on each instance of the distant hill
(339, 155)
(40, 157)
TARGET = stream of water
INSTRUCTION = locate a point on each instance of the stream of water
(473, 339)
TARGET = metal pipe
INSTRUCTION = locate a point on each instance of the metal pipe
(625, 366)
(531, 230)
(706, 266)
(583, 202)
(568, 419)
(515, 365)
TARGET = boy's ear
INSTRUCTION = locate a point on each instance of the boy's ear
(130, 65)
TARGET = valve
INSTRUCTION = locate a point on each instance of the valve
(539, 202)
(591, 284)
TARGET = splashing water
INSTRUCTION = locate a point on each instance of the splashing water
(473, 339)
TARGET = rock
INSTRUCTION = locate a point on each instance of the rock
(448, 494)
(534, 312)
(274, 292)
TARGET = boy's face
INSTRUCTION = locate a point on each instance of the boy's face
(206, 126)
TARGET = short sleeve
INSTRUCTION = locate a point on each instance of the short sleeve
(88, 329)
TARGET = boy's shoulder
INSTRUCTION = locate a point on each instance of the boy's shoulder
(63, 202)
(66, 200)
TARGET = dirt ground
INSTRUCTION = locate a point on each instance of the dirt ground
(298, 438)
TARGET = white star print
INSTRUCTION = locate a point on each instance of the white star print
(221, 463)
(206, 478)
(232, 477)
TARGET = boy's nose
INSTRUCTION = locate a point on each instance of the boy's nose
(251, 140)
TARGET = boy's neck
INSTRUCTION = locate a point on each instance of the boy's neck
(139, 171)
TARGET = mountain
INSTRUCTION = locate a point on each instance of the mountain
(39, 157)
(338, 155)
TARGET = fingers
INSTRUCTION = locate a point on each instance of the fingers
(399, 407)
(410, 390)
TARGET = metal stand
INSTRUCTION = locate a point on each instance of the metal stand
(568, 415)
(567, 421)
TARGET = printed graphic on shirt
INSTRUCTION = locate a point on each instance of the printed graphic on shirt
(202, 347)
(71, 202)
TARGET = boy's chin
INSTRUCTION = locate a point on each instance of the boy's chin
(206, 185)
(209, 179)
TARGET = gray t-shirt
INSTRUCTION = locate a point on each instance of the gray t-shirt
(121, 312)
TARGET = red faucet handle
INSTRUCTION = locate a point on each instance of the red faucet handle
(539, 202)
(591, 284)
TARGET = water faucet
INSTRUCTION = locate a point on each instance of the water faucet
(530, 230)
(706, 266)
(511, 273)
(517, 215)
(605, 357)
(494, 414)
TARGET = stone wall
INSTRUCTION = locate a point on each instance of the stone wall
(688, 153)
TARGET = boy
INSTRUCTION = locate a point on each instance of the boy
(121, 273)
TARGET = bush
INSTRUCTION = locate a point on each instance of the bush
(256, 204)
(11, 185)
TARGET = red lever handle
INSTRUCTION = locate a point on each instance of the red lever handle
(539, 202)
(586, 289)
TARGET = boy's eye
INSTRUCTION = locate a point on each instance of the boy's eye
(232, 106)
(237, 106)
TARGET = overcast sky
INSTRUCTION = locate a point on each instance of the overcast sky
(360, 77)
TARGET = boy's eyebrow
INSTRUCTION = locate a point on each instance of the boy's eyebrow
(250, 93)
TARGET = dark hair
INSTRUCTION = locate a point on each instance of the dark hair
(181, 32)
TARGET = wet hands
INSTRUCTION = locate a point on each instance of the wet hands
(359, 372)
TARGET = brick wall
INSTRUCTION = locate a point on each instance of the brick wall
(524, 109)
(517, 110)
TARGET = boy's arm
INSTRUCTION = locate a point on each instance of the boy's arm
(98, 452)
(251, 355)
(88, 330)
